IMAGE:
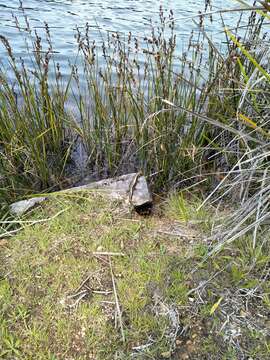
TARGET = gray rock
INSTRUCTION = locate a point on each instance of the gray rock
(132, 188)
(20, 207)
(141, 194)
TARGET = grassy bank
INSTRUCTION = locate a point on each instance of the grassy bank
(62, 296)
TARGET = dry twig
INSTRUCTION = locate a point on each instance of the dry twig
(118, 309)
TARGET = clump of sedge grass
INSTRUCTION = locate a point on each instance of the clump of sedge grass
(142, 106)
(120, 117)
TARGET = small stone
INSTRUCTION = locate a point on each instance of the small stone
(166, 355)
(62, 302)
(184, 357)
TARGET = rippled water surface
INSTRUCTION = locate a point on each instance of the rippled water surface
(63, 16)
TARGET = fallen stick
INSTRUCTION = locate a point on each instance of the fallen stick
(9, 233)
(105, 253)
(177, 234)
(118, 310)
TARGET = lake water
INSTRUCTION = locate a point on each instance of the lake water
(63, 16)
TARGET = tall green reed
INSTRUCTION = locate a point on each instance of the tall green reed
(33, 139)
(130, 123)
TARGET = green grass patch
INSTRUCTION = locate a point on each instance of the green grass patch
(44, 266)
